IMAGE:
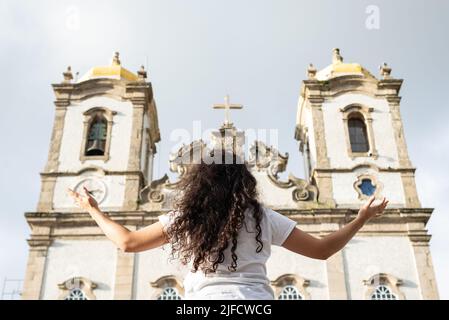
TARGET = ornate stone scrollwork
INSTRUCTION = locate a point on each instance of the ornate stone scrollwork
(300, 194)
(77, 288)
(187, 155)
(155, 191)
(294, 280)
(164, 282)
(271, 161)
(179, 162)
(262, 158)
(383, 286)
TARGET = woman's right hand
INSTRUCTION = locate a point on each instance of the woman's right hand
(85, 201)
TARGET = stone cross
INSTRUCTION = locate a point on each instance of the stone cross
(227, 106)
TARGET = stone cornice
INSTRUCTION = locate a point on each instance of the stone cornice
(409, 222)
(137, 92)
(335, 215)
(380, 169)
(77, 173)
(390, 84)
(43, 242)
(83, 219)
(308, 216)
(316, 90)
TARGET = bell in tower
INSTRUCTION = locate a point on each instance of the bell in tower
(97, 137)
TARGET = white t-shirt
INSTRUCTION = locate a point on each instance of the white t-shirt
(250, 280)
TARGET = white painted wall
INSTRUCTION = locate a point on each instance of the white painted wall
(272, 195)
(382, 129)
(69, 158)
(283, 261)
(367, 256)
(92, 259)
(345, 194)
(150, 266)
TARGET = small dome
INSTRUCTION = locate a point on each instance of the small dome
(113, 71)
(338, 68)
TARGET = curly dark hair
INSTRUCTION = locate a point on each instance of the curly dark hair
(210, 206)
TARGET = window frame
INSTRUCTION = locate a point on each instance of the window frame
(89, 117)
(175, 291)
(169, 281)
(383, 279)
(297, 292)
(83, 284)
(390, 292)
(291, 280)
(364, 114)
(354, 118)
(374, 181)
(71, 291)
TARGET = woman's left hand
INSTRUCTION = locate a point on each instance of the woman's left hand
(369, 210)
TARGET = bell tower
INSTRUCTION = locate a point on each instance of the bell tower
(350, 131)
(104, 138)
(351, 135)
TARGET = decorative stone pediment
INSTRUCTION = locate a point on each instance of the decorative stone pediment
(80, 287)
(266, 163)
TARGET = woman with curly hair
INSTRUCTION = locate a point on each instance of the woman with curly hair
(220, 229)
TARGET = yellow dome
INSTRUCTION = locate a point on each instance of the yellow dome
(113, 71)
(339, 68)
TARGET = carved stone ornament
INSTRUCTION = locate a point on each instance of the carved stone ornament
(85, 285)
(271, 161)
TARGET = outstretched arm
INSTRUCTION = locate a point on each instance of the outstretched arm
(322, 248)
(146, 238)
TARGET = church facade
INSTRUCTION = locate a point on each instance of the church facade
(349, 130)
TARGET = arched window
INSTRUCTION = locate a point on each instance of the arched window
(382, 292)
(169, 293)
(358, 136)
(290, 287)
(77, 288)
(383, 286)
(76, 294)
(167, 288)
(97, 136)
(290, 292)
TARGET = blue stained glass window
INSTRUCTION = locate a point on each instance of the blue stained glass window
(367, 187)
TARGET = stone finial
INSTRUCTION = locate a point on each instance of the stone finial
(68, 76)
(385, 71)
(142, 73)
(311, 71)
(116, 59)
(336, 57)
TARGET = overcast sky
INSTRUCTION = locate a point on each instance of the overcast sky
(198, 51)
